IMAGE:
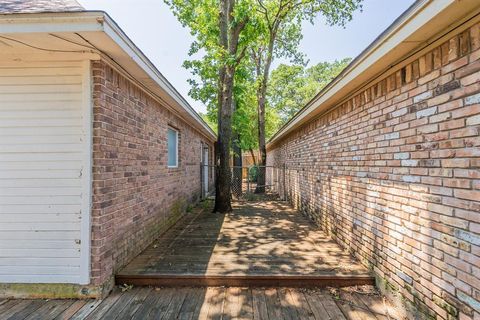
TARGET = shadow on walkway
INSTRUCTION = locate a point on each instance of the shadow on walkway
(258, 244)
(211, 303)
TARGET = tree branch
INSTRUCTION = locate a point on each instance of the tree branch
(241, 56)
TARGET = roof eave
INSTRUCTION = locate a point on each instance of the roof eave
(417, 16)
(116, 33)
(99, 21)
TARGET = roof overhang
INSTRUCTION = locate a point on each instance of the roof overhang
(93, 34)
(413, 30)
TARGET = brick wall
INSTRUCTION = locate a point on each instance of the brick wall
(135, 194)
(393, 175)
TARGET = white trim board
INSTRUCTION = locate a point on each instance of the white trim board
(85, 231)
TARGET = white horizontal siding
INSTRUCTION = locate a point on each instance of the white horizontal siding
(40, 174)
(41, 114)
(38, 244)
(43, 151)
(40, 165)
(22, 236)
(44, 191)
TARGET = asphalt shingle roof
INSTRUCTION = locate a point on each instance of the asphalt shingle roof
(35, 6)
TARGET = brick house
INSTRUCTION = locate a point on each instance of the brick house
(387, 159)
(98, 151)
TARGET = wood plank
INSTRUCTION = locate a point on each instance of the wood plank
(299, 281)
(58, 309)
(134, 304)
(146, 307)
(241, 270)
(231, 307)
(50, 309)
(358, 303)
(232, 260)
(104, 306)
(238, 304)
(121, 304)
(273, 304)
(22, 304)
(212, 308)
(316, 306)
(378, 305)
(158, 310)
(175, 304)
(32, 307)
(259, 304)
(199, 303)
(8, 304)
(288, 310)
(330, 305)
(352, 310)
(297, 299)
(246, 303)
(71, 310)
(88, 308)
(193, 298)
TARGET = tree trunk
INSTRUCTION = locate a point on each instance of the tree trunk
(223, 197)
(252, 154)
(237, 167)
(228, 40)
(261, 100)
(261, 178)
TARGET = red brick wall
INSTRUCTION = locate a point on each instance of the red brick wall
(393, 174)
(135, 195)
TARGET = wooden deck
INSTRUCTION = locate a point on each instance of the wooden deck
(259, 244)
(209, 303)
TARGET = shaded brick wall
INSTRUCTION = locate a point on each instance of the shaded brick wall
(135, 195)
(393, 175)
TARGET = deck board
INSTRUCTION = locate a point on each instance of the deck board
(265, 239)
(211, 303)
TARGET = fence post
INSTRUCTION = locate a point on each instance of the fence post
(248, 180)
(201, 181)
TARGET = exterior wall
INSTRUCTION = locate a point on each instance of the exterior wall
(393, 175)
(44, 174)
(135, 194)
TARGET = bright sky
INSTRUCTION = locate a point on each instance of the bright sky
(154, 29)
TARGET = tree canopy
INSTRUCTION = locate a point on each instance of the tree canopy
(235, 43)
(258, 17)
(292, 86)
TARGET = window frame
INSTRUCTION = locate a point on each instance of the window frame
(176, 148)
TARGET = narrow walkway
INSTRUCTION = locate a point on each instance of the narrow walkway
(210, 303)
(259, 244)
(265, 246)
